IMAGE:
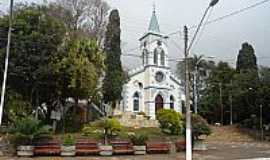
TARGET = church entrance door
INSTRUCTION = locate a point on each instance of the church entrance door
(158, 103)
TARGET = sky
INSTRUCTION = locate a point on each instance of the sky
(221, 40)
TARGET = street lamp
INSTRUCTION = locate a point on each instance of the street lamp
(187, 84)
(195, 83)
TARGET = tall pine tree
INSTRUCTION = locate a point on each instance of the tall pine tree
(114, 75)
(246, 60)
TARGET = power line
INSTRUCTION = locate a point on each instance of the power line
(233, 13)
(217, 19)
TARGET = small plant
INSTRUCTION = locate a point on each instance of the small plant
(142, 113)
(25, 130)
(138, 139)
(199, 127)
(69, 140)
(170, 121)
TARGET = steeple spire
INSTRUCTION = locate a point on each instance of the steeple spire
(154, 26)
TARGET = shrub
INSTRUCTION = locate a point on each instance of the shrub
(138, 139)
(199, 127)
(170, 121)
(107, 128)
(253, 122)
(112, 126)
(69, 140)
(142, 113)
(25, 130)
(90, 130)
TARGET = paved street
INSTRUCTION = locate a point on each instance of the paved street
(216, 151)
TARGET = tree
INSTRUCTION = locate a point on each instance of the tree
(114, 75)
(88, 16)
(36, 37)
(246, 60)
(79, 68)
(218, 81)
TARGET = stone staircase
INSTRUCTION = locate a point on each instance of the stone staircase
(129, 119)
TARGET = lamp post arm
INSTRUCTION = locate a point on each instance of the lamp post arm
(198, 28)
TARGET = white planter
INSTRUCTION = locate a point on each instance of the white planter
(68, 150)
(139, 150)
(105, 150)
(199, 146)
(25, 151)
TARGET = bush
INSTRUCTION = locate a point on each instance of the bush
(16, 107)
(69, 140)
(107, 128)
(138, 139)
(253, 122)
(25, 130)
(91, 130)
(112, 127)
(199, 126)
(170, 121)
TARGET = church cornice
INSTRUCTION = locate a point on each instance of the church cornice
(159, 88)
(155, 34)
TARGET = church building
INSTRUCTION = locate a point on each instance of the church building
(152, 86)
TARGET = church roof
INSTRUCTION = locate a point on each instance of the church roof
(154, 26)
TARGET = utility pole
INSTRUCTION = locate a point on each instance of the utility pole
(6, 63)
(261, 121)
(221, 103)
(231, 106)
(187, 94)
(195, 90)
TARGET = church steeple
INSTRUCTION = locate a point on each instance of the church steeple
(154, 26)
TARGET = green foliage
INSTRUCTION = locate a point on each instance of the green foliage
(219, 78)
(253, 122)
(108, 128)
(16, 107)
(246, 60)
(170, 121)
(114, 75)
(199, 126)
(25, 130)
(92, 131)
(138, 139)
(69, 140)
(35, 41)
(142, 113)
(79, 70)
(112, 127)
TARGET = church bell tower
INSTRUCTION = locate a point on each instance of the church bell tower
(154, 45)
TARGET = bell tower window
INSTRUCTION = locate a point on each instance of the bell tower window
(162, 58)
(155, 57)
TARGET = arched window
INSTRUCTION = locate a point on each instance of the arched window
(136, 102)
(155, 56)
(162, 58)
(171, 102)
(145, 57)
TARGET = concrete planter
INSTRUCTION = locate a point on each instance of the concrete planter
(25, 151)
(68, 151)
(139, 150)
(105, 150)
(199, 146)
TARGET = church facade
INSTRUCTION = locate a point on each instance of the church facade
(152, 86)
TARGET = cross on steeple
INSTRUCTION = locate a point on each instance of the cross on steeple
(154, 26)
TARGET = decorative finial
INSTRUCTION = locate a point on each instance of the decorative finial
(154, 7)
